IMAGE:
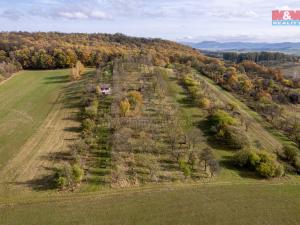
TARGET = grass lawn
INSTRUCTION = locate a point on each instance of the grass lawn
(25, 101)
(196, 204)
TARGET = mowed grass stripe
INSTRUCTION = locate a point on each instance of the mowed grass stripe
(26, 100)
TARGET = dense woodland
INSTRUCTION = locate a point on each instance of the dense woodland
(23, 50)
(57, 50)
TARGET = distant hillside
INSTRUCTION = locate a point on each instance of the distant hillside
(289, 47)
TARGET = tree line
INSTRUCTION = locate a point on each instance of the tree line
(58, 50)
(259, 57)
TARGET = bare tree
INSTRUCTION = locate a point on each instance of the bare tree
(193, 158)
(194, 137)
(214, 167)
(206, 156)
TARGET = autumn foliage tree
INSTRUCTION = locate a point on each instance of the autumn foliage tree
(77, 71)
(135, 99)
(58, 50)
(124, 107)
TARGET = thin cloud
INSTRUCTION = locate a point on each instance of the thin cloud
(240, 15)
(95, 14)
(72, 15)
(12, 14)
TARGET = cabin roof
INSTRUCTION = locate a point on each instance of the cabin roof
(105, 86)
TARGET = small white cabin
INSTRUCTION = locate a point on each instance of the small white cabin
(105, 89)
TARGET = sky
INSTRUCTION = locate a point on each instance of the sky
(178, 20)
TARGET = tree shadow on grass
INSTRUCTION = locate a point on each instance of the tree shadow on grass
(56, 79)
(43, 183)
(73, 129)
(71, 98)
(205, 127)
(169, 165)
(73, 117)
(47, 182)
(227, 162)
(186, 102)
(199, 175)
(58, 156)
(98, 176)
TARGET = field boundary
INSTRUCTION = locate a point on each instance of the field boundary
(12, 76)
(112, 192)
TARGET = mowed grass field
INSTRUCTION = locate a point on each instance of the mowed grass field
(37, 126)
(25, 101)
(182, 205)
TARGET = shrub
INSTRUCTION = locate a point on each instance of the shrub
(68, 176)
(280, 170)
(221, 118)
(61, 182)
(185, 168)
(241, 158)
(195, 92)
(135, 98)
(77, 173)
(92, 110)
(297, 164)
(246, 158)
(263, 163)
(270, 169)
(88, 125)
(265, 156)
(290, 153)
(186, 171)
(254, 159)
(233, 137)
(189, 81)
(266, 169)
(62, 176)
(204, 103)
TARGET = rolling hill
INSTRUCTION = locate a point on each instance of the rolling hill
(286, 47)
